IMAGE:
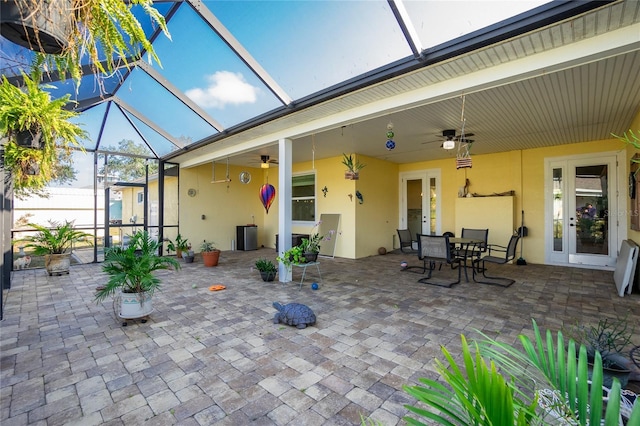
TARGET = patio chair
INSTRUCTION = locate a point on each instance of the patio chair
(509, 254)
(434, 249)
(407, 241)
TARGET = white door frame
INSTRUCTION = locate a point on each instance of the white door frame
(425, 175)
(617, 203)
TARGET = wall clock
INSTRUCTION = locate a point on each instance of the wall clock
(191, 192)
(245, 177)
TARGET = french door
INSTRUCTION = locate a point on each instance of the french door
(582, 205)
(419, 206)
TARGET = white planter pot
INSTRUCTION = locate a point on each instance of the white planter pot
(57, 264)
(134, 305)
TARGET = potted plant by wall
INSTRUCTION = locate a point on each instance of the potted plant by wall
(611, 338)
(210, 254)
(131, 275)
(38, 131)
(267, 269)
(188, 255)
(353, 167)
(54, 243)
(179, 245)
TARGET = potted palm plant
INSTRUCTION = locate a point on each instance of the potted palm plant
(210, 254)
(54, 243)
(131, 275)
(544, 381)
(38, 131)
(267, 269)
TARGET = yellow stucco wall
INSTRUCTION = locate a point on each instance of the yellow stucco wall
(366, 227)
(224, 205)
(377, 216)
(497, 173)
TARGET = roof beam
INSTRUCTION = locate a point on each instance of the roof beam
(404, 21)
(239, 50)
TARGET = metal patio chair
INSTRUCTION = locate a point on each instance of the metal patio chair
(509, 253)
(436, 249)
(406, 240)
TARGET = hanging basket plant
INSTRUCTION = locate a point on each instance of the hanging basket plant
(353, 167)
(71, 33)
(38, 134)
(42, 26)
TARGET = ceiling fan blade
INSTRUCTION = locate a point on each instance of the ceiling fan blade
(466, 135)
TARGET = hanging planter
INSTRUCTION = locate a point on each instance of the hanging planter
(353, 167)
(104, 34)
(43, 26)
(40, 134)
(29, 138)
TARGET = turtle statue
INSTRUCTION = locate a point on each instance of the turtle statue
(294, 314)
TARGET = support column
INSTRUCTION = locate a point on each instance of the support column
(285, 157)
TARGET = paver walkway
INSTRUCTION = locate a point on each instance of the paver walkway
(216, 358)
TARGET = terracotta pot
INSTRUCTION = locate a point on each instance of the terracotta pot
(57, 264)
(210, 258)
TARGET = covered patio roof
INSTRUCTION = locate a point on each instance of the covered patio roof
(332, 75)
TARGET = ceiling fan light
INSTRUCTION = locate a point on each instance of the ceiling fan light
(449, 144)
(264, 165)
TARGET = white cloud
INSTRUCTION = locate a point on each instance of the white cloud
(224, 88)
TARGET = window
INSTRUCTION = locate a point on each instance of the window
(303, 198)
(140, 197)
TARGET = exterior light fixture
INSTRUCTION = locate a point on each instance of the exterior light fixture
(449, 139)
(449, 144)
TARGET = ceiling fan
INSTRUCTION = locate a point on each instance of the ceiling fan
(265, 161)
(449, 139)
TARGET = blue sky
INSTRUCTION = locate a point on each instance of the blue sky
(305, 46)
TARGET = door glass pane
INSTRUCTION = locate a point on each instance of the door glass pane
(414, 206)
(592, 222)
(558, 222)
(432, 205)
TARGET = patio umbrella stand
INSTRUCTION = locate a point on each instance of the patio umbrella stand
(522, 232)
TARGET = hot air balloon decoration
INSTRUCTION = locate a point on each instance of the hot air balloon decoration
(267, 195)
